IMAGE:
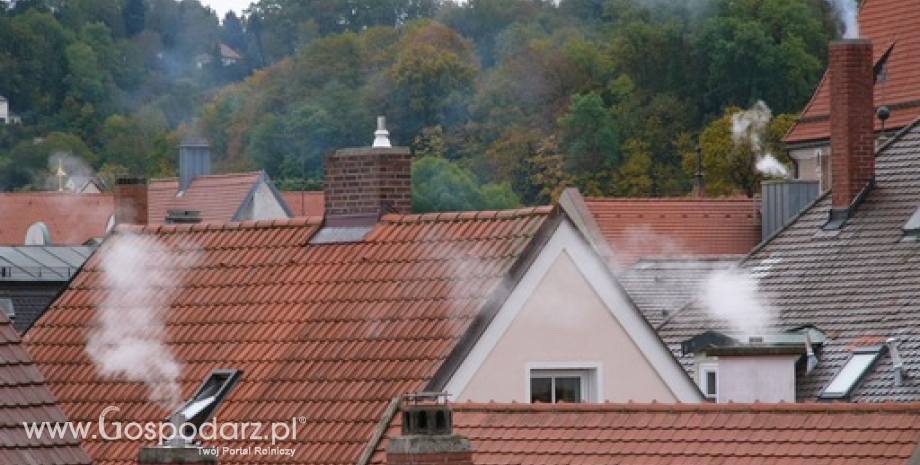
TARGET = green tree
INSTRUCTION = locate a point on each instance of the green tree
(589, 142)
(439, 185)
(134, 17)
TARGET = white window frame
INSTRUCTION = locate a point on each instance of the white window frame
(590, 373)
(705, 370)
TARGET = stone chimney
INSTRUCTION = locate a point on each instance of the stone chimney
(131, 201)
(852, 114)
(427, 434)
(363, 183)
(194, 160)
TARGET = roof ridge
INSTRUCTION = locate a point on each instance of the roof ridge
(397, 218)
(706, 407)
(211, 176)
(296, 222)
(686, 199)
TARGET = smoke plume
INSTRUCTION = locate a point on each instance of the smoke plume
(846, 11)
(129, 338)
(75, 168)
(733, 296)
(751, 126)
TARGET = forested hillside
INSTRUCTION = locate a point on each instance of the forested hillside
(509, 100)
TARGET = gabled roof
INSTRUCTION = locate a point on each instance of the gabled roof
(661, 287)
(24, 397)
(667, 434)
(72, 219)
(858, 285)
(676, 226)
(890, 24)
(330, 332)
(219, 197)
(305, 203)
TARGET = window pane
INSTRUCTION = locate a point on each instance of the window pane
(568, 389)
(541, 390)
(710, 384)
(849, 374)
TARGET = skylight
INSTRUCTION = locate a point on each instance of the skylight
(852, 372)
(208, 397)
(912, 227)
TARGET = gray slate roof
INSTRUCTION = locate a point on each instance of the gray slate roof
(661, 287)
(860, 285)
(56, 263)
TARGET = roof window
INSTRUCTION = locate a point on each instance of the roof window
(206, 399)
(856, 368)
(912, 227)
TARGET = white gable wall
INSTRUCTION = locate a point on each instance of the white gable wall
(568, 313)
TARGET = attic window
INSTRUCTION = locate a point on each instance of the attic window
(912, 227)
(208, 397)
(563, 385)
(856, 368)
(8, 309)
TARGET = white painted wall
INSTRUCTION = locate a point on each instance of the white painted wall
(757, 378)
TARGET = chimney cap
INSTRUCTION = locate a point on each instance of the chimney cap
(195, 142)
(129, 180)
(381, 135)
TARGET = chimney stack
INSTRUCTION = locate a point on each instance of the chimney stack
(363, 183)
(194, 160)
(852, 115)
(131, 201)
(427, 434)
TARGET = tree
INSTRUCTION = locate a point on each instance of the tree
(232, 32)
(589, 141)
(439, 185)
(134, 17)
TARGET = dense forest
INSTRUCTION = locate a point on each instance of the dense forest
(503, 102)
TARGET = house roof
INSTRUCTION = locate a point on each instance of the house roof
(72, 219)
(330, 332)
(667, 434)
(676, 226)
(218, 197)
(660, 287)
(858, 284)
(889, 24)
(56, 263)
(24, 397)
(305, 203)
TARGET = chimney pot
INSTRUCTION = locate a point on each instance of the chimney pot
(852, 114)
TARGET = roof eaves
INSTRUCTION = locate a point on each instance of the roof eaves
(496, 300)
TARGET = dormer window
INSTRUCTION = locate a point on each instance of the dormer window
(849, 377)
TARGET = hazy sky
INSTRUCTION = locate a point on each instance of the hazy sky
(223, 6)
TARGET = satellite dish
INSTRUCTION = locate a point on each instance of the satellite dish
(38, 234)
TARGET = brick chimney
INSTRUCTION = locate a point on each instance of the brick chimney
(852, 114)
(131, 201)
(427, 434)
(363, 183)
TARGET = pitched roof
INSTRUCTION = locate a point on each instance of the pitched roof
(888, 23)
(666, 434)
(662, 286)
(331, 332)
(305, 203)
(24, 397)
(72, 219)
(217, 196)
(858, 284)
(676, 226)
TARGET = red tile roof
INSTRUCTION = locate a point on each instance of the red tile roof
(72, 219)
(305, 203)
(24, 397)
(668, 434)
(217, 196)
(676, 226)
(330, 332)
(886, 23)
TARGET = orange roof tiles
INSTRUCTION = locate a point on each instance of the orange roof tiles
(676, 226)
(330, 332)
(72, 219)
(668, 434)
(24, 397)
(305, 203)
(887, 23)
(217, 196)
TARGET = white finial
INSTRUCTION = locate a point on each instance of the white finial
(381, 135)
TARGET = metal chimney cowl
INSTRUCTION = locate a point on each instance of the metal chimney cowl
(194, 160)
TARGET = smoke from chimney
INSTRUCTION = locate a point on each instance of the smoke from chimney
(751, 126)
(846, 11)
(129, 338)
(733, 296)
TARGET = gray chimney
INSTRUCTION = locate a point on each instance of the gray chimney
(783, 200)
(194, 160)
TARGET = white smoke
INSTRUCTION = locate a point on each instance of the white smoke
(129, 339)
(733, 296)
(846, 11)
(75, 169)
(751, 126)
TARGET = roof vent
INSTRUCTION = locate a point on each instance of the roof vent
(381, 135)
(897, 363)
(183, 217)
